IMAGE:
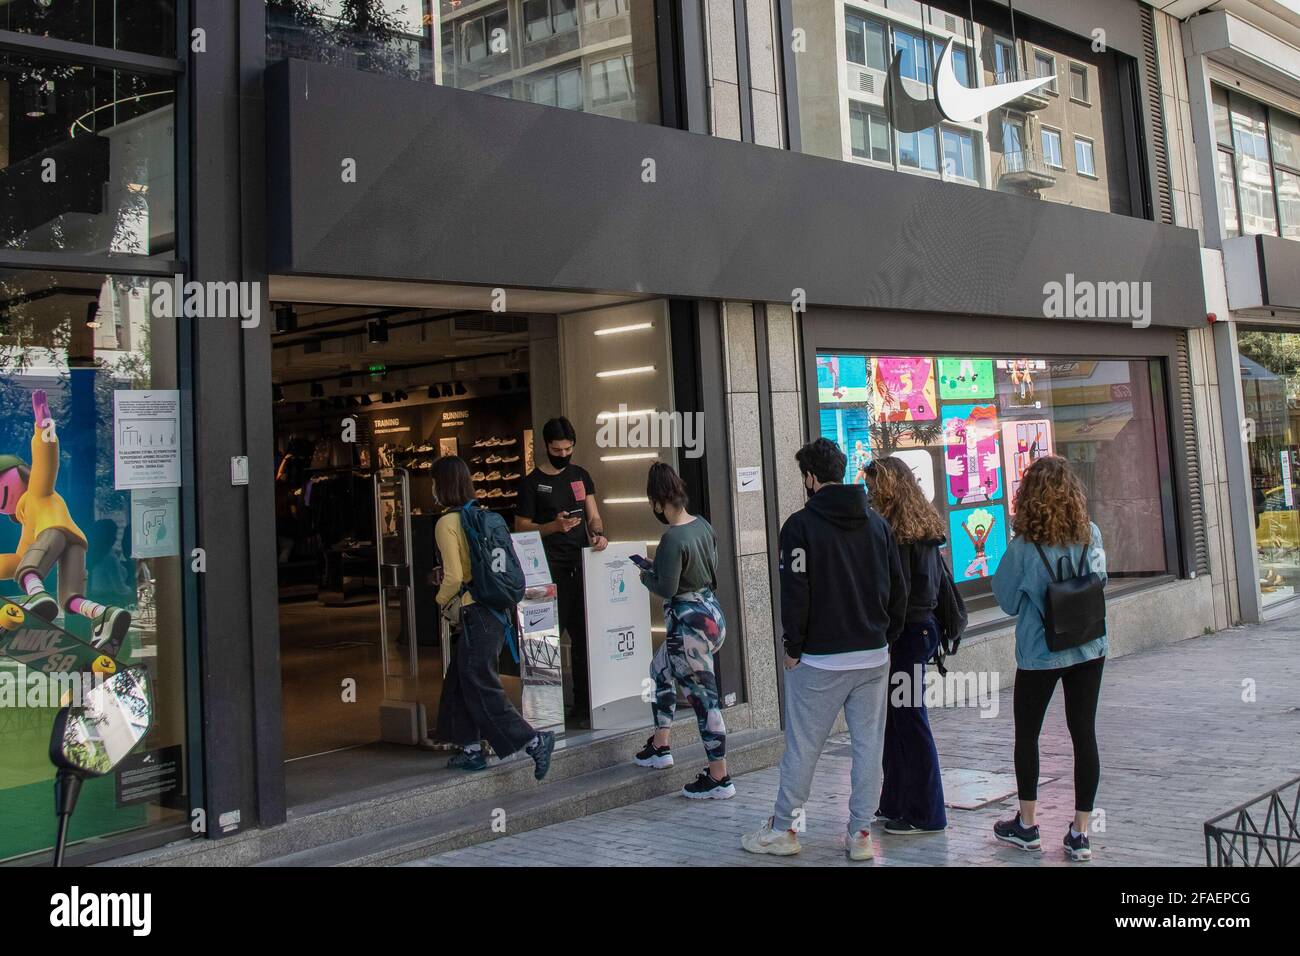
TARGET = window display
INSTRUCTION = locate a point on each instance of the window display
(969, 427)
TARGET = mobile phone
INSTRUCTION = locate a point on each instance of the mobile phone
(575, 513)
(645, 564)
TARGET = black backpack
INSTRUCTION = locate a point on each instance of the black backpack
(1074, 609)
(950, 612)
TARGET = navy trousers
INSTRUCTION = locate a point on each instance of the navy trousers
(913, 788)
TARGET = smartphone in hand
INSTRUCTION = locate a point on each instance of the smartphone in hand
(642, 562)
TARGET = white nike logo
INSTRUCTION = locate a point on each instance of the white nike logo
(959, 103)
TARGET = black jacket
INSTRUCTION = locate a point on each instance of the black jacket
(922, 573)
(842, 584)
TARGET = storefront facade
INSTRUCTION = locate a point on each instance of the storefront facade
(801, 252)
(1238, 109)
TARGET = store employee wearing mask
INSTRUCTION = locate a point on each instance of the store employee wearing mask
(558, 499)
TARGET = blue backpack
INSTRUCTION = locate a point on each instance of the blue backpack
(496, 577)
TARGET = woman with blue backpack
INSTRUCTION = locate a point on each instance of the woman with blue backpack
(1052, 577)
(474, 705)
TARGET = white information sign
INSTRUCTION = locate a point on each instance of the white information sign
(146, 439)
(1288, 490)
(532, 558)
(749, 478)
(155, 522)
(618, 636)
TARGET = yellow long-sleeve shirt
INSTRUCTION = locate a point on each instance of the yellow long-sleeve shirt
(454, 549)
(41, 507)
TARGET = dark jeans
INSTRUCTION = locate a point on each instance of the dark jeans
(1033, 692)
(571, 609)
(913, 787)
(474, 706)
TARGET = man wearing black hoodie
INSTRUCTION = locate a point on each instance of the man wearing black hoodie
(843, 602)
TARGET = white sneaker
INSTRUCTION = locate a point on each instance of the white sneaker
(859, 846)
(765, 840)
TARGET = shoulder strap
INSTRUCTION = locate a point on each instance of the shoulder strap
(1039, 549)
(1083, 560)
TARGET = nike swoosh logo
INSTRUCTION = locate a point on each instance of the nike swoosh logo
(956, 102)
(961, 104)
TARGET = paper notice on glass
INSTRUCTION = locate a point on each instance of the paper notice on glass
(155, 522)
(146, 439)
(532, 558)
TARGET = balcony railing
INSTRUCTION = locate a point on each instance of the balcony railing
(1263, 832)
(1025, 102)
(1025, 169)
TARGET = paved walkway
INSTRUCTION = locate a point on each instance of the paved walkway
(1179, 745)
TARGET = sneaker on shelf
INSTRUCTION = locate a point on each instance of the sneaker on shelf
(493, 476)
(859, 847)
(901, 827)
(481, 493)
(1077, 848)
(508, 441)
(470, 760)
(509, 461)
(774, 842)
(493, 459)
(478, 476)
(661, 758)
(510, 494)
(1017, 834)
(496, 493)
(704, 787)
(515, 476)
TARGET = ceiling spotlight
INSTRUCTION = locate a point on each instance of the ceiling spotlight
(92, 315)
(378, 331)
(460, 388)
(317, 390)
(285, 320)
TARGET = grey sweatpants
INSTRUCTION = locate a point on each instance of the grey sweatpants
(813, 698)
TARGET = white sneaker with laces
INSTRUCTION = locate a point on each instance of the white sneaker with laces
(766, 840)
(859, 846)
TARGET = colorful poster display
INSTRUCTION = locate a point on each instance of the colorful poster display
(965, 379)
(971, 458)
(1023, 384)
(979, 539)
(902, 389)
(849, 427)
(842, 378)
(1023, 443)
(922, 464)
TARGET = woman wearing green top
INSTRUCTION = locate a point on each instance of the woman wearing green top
(683, 574)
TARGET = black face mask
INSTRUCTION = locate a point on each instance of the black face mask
(659, 515)
(808, 491)
(559, 461)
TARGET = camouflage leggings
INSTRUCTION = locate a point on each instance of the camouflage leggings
(696, 629)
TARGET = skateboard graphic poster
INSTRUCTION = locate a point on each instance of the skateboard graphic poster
(972, 462)
(903, 389)
(1023, 386)
(842, 379)
(965, 379)
(979, 539)
(1023, 443)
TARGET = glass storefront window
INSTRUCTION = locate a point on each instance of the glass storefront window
(1270, 383)
(82, 339)
(877, 58)
(87, 159)
(970, 426)
(133, 26)
(1258, 156)
(598, 56)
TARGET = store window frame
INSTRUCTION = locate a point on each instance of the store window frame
(884, 332)
(89, 55)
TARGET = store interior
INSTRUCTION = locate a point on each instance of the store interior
(360, 390)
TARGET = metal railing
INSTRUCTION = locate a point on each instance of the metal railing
(1026, 161)
(1262, 832)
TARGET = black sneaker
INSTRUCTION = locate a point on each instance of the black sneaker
(704, 787)
(903, 828)
(470, 760)
(1077, 847)
(1017, 834)
(661, 758)
(541, 753)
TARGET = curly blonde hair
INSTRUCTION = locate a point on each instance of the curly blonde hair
(1051, 507)
(898, 498)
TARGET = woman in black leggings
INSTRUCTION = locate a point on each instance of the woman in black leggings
(1051, 513)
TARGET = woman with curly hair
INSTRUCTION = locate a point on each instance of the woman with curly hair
(911, 800)
(1051, 516)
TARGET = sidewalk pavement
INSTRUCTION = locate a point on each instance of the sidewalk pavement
(1179, 745)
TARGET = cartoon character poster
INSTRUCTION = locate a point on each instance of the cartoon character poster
(979, 539)
(849, 426)
(1023, 385)
(971, 458)
(1023, 443)
(842, 378)
(903, 389)
(965, 379)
